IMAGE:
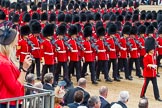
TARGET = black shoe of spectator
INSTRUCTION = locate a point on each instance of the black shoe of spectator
(140, 76)
(94, 82)
(109, 79)
(129, 78)
(98, 79)
(159, 100)
(117, 79)
(158, 75)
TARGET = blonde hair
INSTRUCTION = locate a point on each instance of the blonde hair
(10, 50)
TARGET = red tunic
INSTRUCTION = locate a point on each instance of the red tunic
(159, 49)
(112, 53)
(36, 51)
(74, 53)
(102, 54)
(142, 51)
(10, 87)
(134, 51)
(123, 52)
(47, 51)
(88, 53)
(62, 53)
(149, 72)
(24, 49)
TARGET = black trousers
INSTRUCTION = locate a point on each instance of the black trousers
(155, 87)
(137, 64)
(75, 65)
(37, 63)
(91, 68)
(114, 64)
(123, 62)
(45, 69)
(141, 62)
(65, 71)
(102, 65)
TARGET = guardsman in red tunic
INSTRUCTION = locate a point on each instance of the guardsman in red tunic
(73, 54)
(122, 60)
(141, 31)
(23, 47)
(112, 51)
(133, 52)
(150, 68)
(44, 19)
(88, 55)
(47, 51)
(62, 55)
(26, 19)
(102, 55)
(35, 30)
(159, 47)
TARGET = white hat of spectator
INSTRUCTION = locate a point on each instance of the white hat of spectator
(124, 96)
(59, 92)
(116, 106)
(38, 85)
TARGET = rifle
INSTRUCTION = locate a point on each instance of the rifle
(53, 42)
(30, 43)
(117, 42)
(93, 45)
(129, 44)
(65, 39)
(106, 44)
(40, 40)
(78, 42)
(138, 43)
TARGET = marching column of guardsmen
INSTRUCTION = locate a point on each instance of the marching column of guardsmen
(71, 36)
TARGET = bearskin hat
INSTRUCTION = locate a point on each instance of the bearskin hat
(141, 29)
(2, 15)
(97, 16)
(133, 30)
(89, 17)
(73, 30)
(90, 5)
(24, 8)
(39, 4)
(52, 17)
(18, 6)
(108, 5)
(113, 17)
(48, 30)
(99, 24)
(100, 31)
(125, 4)
(57, 6)
(83, 17)
(159, 18)
(76, 18)
(147, 24)
(87, 31)
(70, 6)
(130, 3)
(68, 18)
(34, 8)
(136, 5)
(36, 16)
(12, 6)
(76, 6)
(44, 6)
(113, 4)
(61, 30)
(26, 17)
(61, 17)
(78, 27)
(142, 16)
(149, 16)
(128, 23)
(118, 25)
(154, 15)
(120, 18)
(155, 24)
(149, 44)
(51, 6)
(160, 30)
(82, 5)
(112, 29)
(35, 27)
(24, 30)
(7, 4)
(136, 12)
(96, 5)
(120, 4)
(44, 16)
(63, 7)
(135, 18)
(106, 17)
(15, 18)
(150, 29)
(126, 29)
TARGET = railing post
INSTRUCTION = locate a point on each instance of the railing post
(52, 99)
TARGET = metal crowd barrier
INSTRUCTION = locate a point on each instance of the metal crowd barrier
(42, 99)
